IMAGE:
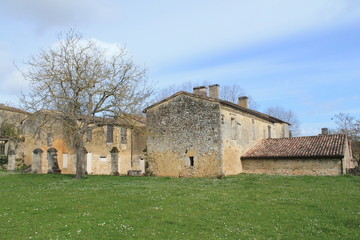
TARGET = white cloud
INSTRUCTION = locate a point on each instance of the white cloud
(48, 13)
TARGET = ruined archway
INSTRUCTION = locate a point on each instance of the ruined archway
(36, 161)
(53, 165)
(114, 161)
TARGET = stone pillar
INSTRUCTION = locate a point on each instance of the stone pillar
(36, 161)
(11, 160)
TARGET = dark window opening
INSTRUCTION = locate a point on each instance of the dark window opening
(89, 135)
(269, 131)
(191, 161)
(110, 134)
(49, 139)
(123, 135)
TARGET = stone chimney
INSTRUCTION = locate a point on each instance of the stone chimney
(214, 91)
(201, 90)
(243, 102)
(324, 131)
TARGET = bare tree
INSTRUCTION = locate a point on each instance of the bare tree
(83, 83)
(287, 116)
(350, 126)
(231, 93)
(227, 92)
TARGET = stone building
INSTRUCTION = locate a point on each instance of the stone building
(115, 148)
(11, 145)
(313, 155)
(192, 134)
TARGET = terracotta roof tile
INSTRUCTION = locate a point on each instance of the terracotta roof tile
(298, 147)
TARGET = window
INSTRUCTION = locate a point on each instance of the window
(49, 139)
(123, 135)
(65, 160)
(110, 134)
(191, 161)
(253, 133)
(222, 118)
(233, 129)
(89, 135)
(269, 131)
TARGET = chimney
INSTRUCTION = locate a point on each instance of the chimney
(201, 90)
(214, 91)
(243, 102)
(324, 131)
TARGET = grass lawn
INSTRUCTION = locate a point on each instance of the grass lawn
(238, 207)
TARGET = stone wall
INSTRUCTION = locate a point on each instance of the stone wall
(184, 138)
(118, 155)
(240, 132)
(293, 166)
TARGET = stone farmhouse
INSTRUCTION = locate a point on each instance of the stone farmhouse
(185, 135)
(195, 135)
(115, 148)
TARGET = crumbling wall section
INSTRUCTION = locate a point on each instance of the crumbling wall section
(184, 138)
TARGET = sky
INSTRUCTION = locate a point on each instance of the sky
(302, 55)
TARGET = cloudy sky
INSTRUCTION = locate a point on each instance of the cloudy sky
(303, 55)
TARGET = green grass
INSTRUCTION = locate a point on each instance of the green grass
(239, 207)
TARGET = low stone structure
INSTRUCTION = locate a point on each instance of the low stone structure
(314, 155)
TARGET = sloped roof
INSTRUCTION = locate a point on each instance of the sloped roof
(323, 146)
(222, 102)
(12, 109)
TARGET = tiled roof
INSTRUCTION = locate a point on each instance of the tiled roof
(223, 102)
(298, 147)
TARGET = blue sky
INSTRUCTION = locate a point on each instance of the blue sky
(302, 55)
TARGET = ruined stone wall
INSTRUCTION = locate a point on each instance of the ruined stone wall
(241, 131)
(293, 166)
(15, 118)
(103, 157)
(184, 138)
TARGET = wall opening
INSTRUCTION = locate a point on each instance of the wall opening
(53, 165)
(191, 161)
(36, 161)
(114, 161)
(110, 134)
(269, 131)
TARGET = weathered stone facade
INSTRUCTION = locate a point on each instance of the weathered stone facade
(45, 147)
(10, 147)
(110, 149)
(184, 138)
(293, 166)
(194, 135)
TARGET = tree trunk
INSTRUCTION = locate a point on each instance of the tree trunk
(80, 160)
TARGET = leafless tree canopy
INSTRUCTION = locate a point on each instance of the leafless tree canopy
(350, 126)
(229, 93)
(287, 116)
(77, 79)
